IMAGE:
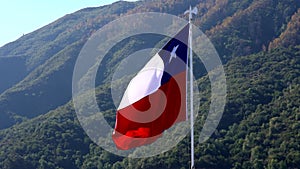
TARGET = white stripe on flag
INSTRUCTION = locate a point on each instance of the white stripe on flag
(146, 82)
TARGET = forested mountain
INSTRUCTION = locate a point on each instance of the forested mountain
(258, 42)
(43, 63)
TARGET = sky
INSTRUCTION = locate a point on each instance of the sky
(18, 17)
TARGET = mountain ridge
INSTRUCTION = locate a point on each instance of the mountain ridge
(259, 126)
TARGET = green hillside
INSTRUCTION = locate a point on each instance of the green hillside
(259, 127)
(258, 42)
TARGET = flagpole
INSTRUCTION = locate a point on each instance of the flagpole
(191, 12)
(191, 91)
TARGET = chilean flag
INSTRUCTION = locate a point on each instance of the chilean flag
(155, 98)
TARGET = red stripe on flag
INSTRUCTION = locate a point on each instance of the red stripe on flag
(130, 133)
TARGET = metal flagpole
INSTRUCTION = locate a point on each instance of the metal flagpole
(191, 12)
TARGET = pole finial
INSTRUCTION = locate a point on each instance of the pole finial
(191, 12)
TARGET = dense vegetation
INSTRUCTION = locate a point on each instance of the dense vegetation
(258, 42)
(259, 127)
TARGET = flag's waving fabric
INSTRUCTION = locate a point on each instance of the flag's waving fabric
(155, 98)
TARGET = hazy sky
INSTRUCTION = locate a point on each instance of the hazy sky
(18, 17)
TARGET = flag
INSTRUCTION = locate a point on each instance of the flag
(155, 98)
